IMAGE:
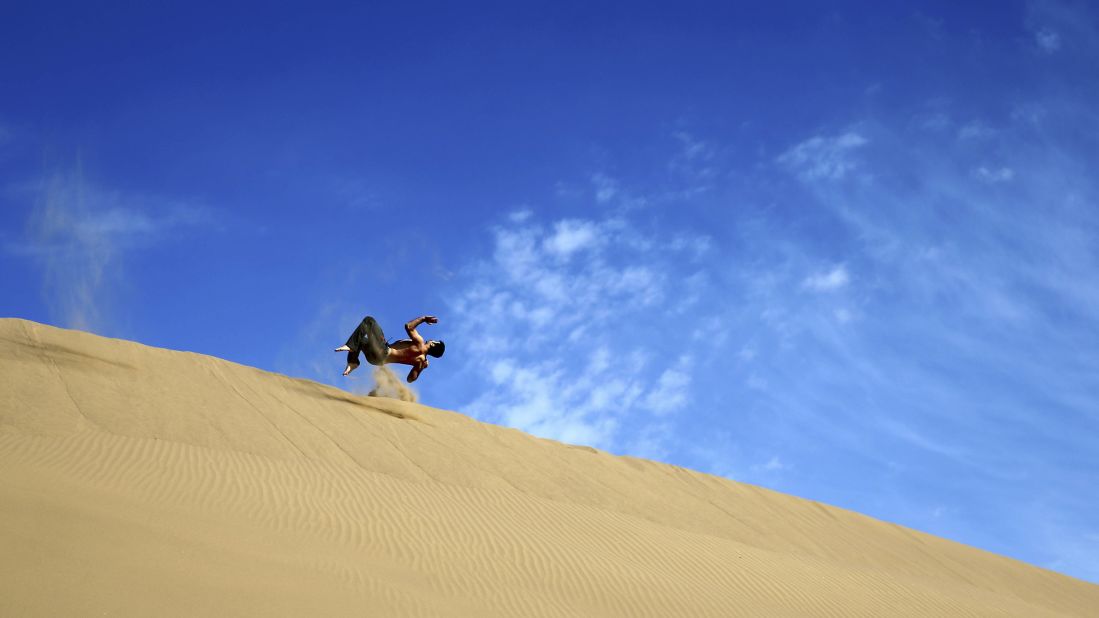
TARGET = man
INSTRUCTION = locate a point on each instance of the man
(369, 339)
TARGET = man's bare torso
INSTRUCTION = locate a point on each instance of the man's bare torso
(407, 352)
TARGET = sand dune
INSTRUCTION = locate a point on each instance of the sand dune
(147, 482)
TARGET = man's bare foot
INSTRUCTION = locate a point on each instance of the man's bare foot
(350, 368)
(342, 348)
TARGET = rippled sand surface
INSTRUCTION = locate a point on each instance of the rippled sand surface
(137, 481)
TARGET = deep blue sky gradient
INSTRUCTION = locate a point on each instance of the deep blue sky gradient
(846, 252)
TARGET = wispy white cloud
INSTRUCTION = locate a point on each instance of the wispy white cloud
(832, 280)
(570, 236)
(520, 216)
(774, 464)
(79, 234)
(609, 192)
(975, 130)
(695, 165)
(606, 188)
(569, 344)
(994, 175)
(961, 349)
(671, 392)
(1047, 40)
(822, 157)
(1061, 27)
(915, 438)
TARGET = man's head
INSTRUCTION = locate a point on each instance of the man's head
(435, 348)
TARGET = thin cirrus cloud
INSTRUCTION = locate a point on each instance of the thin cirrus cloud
(79, 235)
(834, 279)
(995, 175)
(977, 327)
(774, 464)
(1061, 28)
(1047, 40)
(824, 157)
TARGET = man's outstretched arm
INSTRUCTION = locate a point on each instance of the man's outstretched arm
(410, 327)
(415, 372)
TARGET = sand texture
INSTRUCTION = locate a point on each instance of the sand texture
(137, 481)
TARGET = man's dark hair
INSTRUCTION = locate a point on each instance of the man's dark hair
(436, 348)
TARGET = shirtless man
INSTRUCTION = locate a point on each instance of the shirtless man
(369, 339)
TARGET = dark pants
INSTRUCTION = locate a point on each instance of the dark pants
(368, 338)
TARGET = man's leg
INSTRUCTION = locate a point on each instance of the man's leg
(352, 362)
(355, 341)
(373, 345)
(354, 344)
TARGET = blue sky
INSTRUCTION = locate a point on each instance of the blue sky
(849, 253)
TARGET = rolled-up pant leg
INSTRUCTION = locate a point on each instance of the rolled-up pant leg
(369, 338)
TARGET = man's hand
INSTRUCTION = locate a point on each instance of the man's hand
(430, 319)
